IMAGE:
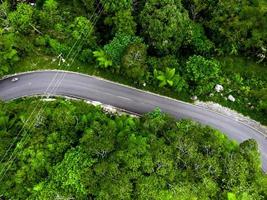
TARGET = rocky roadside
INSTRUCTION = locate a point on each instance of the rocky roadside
(233, 114)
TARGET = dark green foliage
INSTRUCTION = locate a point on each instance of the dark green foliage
(196, 39)
(262, 99)
(163, 62)
(164, 25)
(134, 61)
(115, 49)
(115, 6)
(8, 52)
(77, 151)
(124, 23)
(235, 26)
(89, 5)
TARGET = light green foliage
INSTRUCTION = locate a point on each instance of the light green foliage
(113, 6)
(169, 78)
(67, 177)
(102, 59)
(48, 16)
(57, 47)
(118, 45)
(164, 25)
(46, 146)
(201, 74)
(124, 22)
(231, 196)
(77, 151)
(249, 149)
(8, 54)
(82, 28)
(22, 18)
(50, 6)
(134, 61)
(165, 78)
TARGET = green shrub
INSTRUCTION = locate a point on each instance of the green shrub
(201, 74)
(134, 61)
(115, 49)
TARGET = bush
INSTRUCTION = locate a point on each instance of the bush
(102, 59)
(115, 49)
(201, 74)
(22, 18)
(196, 39)
(134, 61)
(58, 47)
(164, 25)
(41, 41)
(78, 151)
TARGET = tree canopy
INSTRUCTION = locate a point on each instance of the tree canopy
(75, 150)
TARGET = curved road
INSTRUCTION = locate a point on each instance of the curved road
(131, 99)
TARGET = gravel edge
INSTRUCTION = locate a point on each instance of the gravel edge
(233, 114)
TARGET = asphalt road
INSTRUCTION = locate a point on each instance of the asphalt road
(92, 88)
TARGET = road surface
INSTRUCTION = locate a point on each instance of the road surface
(137, 101)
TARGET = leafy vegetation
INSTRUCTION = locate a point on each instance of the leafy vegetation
(201, 74)
(75, 150)
(179, 48)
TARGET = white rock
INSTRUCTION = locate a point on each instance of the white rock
(233, 114)
(109, 108)
(231, 98)
(211, 95)
(194, 98)
(218, 88)
(48, 99)
(96, 103)
(144, 84)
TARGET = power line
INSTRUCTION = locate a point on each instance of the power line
(54, 89)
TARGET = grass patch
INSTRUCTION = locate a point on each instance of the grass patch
(242, 65)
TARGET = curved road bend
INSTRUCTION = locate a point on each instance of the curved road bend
(92, 88)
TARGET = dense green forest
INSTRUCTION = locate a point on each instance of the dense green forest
(76, 151)
(180, 48)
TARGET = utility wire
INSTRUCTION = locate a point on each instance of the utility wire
(54, 89)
